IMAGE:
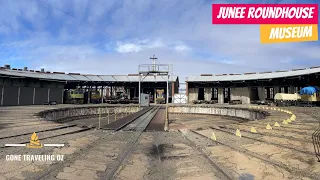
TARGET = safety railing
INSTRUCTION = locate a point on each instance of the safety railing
(316, 142)
(113, 114)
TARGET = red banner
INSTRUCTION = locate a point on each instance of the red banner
(264, 13)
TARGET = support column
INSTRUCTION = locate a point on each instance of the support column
(155, 96)
(2, 93)
(19, 96)
(101, 94)
(187, 92)
(172, 90)
(139, 92)
(61, 96)
(168, 90)
(48, 95)
(261, 93)
(220, 96)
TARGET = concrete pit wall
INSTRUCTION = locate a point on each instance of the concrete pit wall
(81, 112)
(244, 113)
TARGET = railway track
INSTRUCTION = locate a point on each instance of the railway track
(260, 140)
(45, 130)
(141, 124)
(140, 120)
(27, 135)
(264, 158)
(220, 170)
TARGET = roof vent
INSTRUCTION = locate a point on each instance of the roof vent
(265, 72)
(7, 66)
(206, 75)
(250, 73)
(313, 67)
(298, 69)
(42, 69)
(58, 73)
(74, 73)
(281, 71)
(25, 68)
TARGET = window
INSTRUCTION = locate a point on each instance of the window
(215, 92)
(282, 90)
(226, 92)
(271, 93)
(266, 93)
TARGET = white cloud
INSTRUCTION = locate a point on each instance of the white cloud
(181, 48)
(127, 47)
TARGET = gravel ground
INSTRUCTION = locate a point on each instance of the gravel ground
(173, 158)
(96, 154)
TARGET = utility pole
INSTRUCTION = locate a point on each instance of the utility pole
(154, 62)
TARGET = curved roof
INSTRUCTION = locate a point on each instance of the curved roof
(60, 76)
(253, 76)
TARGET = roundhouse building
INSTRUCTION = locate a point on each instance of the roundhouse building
(249, 87)
(30, 87)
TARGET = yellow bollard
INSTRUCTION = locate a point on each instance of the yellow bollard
(213, 136)
(238, 133)
(276, 124)
(268, 127)
(253, 130)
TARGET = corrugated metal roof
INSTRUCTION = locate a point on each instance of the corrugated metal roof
(258, 76)
(107, 78)
(81, 77)
(121, 78)
(93, 77)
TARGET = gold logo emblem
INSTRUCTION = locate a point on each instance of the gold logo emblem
(34, 142)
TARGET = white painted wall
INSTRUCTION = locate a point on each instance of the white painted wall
(207, 94)
(242, 94)
(193, 94)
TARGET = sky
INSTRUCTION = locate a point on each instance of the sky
(115, 36)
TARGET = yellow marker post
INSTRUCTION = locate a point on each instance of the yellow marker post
(108, 116)
(276, 124)
(250, 106)
(267, 108)
(268, 127)
(253, 130)
(99, 117)
(238, 133)
(289, 120)
(213, 136)
(284, 122)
